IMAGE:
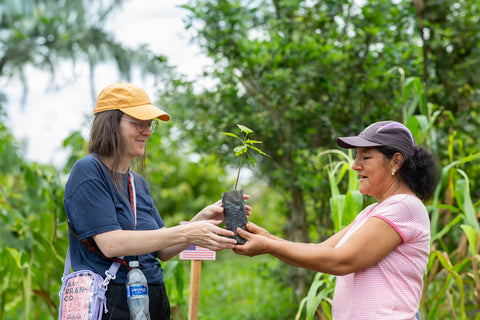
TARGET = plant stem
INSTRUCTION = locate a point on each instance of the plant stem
(238, 174)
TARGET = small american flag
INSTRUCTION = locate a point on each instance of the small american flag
(197, 253)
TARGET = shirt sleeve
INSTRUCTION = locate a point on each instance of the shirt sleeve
(91, 209)
(404, 216)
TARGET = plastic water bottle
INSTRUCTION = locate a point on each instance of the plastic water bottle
(137, 293)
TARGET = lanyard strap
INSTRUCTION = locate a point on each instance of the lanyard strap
(133, 196)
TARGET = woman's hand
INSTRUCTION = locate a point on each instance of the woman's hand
(257, 240)
(215, 211)
(211, 212)
(207, 234)
(253, 228)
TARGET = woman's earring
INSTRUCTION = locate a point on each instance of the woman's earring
(393, 172)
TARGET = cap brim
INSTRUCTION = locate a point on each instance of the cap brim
(146, 112)
(355, 142)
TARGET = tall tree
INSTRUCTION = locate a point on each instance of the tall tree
(450, 34)
(42, 34)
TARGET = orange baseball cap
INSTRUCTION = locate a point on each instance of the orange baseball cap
(131, 100)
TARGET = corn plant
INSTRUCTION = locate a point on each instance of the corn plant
(320, 293)
(344, 206)
(452, 285)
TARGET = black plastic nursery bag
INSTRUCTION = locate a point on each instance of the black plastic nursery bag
(234, 212)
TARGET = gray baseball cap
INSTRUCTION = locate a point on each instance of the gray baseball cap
(384, 133)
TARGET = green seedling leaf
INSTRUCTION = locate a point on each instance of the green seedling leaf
(240, 149)
(258, 150)
(231, 135)
(244, 129)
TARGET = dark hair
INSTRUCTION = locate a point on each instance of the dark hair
(418, 172)
(106, 141)
(105, 137)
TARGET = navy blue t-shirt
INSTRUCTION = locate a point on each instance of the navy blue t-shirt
(94, 206)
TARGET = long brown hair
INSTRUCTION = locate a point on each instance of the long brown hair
(106, 141)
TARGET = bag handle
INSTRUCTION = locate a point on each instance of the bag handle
(110, 274)
(91, 246)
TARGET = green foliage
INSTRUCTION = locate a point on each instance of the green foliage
(30, 209)
(40, 32)
(452, 285)
(303, 72)
(344, 207)
(174, 276)
(181, 182)
(320, 293)
(77, 146)
(46, 33)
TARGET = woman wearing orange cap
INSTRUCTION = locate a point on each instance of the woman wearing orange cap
(110, 207)
(381, 257)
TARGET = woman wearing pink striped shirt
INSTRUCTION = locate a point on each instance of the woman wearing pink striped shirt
(381, 257)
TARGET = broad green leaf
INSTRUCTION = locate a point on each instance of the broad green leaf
(244, 129)
(169, 269)
(438, 235)
(353, 205)
(463, 196)
(300, 309)
(472, 237)
(337, 203)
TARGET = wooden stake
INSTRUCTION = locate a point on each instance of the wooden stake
(195, 270)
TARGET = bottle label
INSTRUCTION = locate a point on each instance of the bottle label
(137, 290)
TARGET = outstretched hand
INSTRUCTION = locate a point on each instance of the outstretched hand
(215, 211)
(207, 234)
(203, 229)
(257, 240)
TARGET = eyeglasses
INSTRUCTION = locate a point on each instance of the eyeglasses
(141, 126)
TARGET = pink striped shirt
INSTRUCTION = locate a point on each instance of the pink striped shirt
(392, 287)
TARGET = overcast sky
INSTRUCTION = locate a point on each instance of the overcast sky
(49, 116)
